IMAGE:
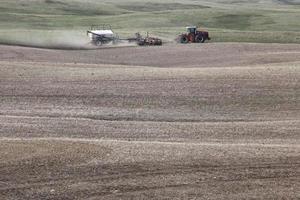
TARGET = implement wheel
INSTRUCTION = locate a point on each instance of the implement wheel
(98, 43)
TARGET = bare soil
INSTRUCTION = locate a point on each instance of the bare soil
(212, 121)
(192, 55)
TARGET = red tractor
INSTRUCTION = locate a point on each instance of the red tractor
(193, 35)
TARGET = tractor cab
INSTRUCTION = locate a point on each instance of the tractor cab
(191, 29)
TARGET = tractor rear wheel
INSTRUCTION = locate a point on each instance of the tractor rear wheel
(199, 39)
(184, 39)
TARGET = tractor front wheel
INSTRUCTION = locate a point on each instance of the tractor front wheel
(184, 39)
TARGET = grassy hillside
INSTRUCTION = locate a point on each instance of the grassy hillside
(229, 20)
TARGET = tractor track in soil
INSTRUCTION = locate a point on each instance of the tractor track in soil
(211, 121)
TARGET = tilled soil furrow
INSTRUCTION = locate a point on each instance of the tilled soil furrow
(117, 124)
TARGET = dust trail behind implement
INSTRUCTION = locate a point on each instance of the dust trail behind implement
(64, 40)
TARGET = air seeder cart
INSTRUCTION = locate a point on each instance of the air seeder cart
(103, 34)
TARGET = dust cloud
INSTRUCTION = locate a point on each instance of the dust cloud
(69, 40)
